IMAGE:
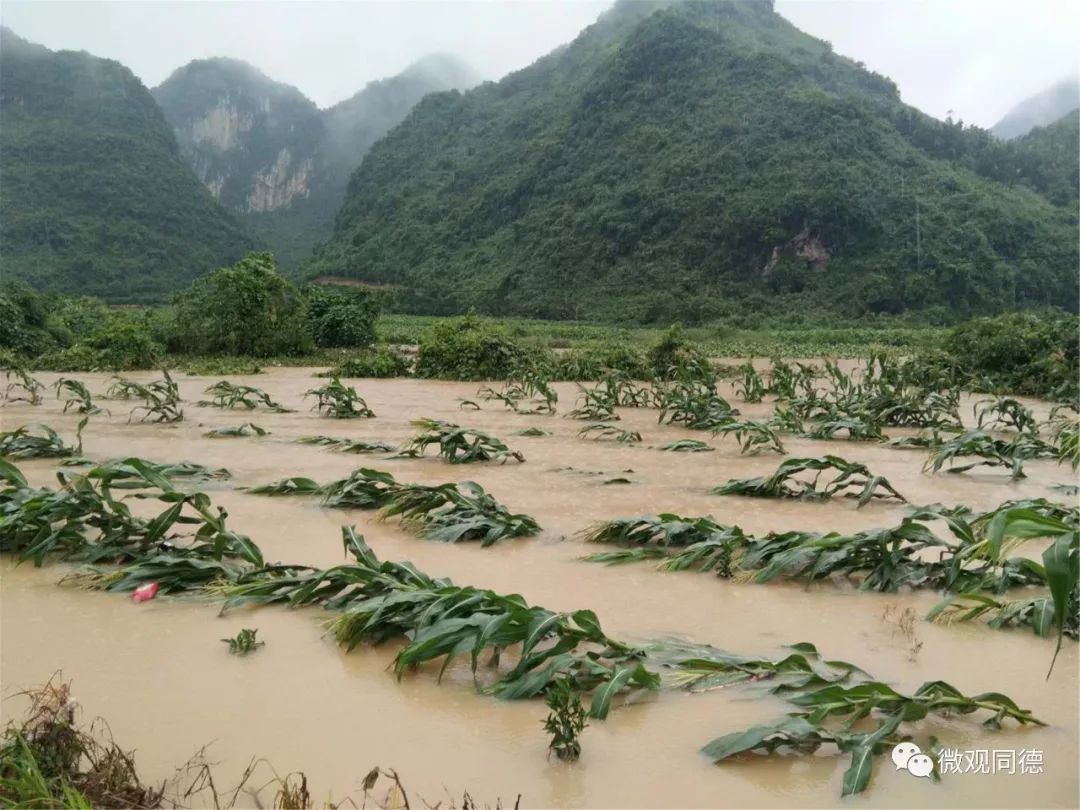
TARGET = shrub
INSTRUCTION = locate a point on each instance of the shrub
(125, 345)
(342, 317)
(666, 352)
(248, 309)
(1021, 352)
(380, 362)
(469, 349)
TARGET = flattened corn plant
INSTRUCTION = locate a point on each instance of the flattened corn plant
(236, 431)
(687, 446)
(348, 445)
(835, 703)
(440, 621)
(161, 398)
(340, 401)
(1011, 453)
(229, 395)
(76, 395)
(857, 429)
(24, 388)
(601, 431)
(86, 521)
(459, 445)
(851, 479)
(23, 442)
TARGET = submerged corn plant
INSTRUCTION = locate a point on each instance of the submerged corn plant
(296, 485)
(23, 442)
(1064, 428)
(750, 387)
(856, 429)
(1010, 454)
(753, 436)
(229, 395)
(340, 401)
(610, 433)
(24, 388)
(451, 513)
(834, 703)
(76, 395)
(528, 392)
(533, 432)
(161, 398)
(236, 431)
(687, 446)
(566, 720)
(459, 445)
(243, 642)
(596, 404)
(851, 479)
(695, 404)
(348, 445)
(1005, 412)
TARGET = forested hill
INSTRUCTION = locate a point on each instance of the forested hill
(1040, 110)
(94, 197)
(271, 156)
(689, 161)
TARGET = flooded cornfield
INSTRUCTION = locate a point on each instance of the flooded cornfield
(167, 686)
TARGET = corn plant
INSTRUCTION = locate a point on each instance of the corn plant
(348, 445)
(229, 395)
(596, 404)
(1004, 412)
(340, 401)
(526, 393)
(786, 420)
(47, 443)
(851, 480)
(452, 513)
(624, 393)
(161, 398)
(785, 381)
(295, 485)
(236, 431)
(864, 718)
(1064, 429)
(566, 720)
(533, 432)
(243, 642)
(24, 388)
(856, 428)
(753, 436)
(694, 404)
(687, 446)
(609, 432)
(459, 445)
(749, 386)
(1010, 454)
(77, 396)
(668, 537)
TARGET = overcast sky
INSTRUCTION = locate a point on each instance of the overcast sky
(974, 57)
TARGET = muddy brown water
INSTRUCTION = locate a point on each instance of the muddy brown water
(158, 673)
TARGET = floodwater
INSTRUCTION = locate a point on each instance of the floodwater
(167, 687)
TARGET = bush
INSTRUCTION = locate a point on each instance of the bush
(1020, 353)
(469, 349)
(125, 345)
(74, 358)
(342, 316)
(668, 349)
(248, 309)
(23, 322)
(381, 362)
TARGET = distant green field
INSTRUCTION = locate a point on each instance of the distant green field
(718, 341)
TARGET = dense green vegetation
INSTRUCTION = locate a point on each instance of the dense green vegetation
(94, 197)
(693, 162)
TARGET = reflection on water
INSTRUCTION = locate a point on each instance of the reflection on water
(165, 683)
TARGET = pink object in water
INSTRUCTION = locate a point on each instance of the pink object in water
(144, 593)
